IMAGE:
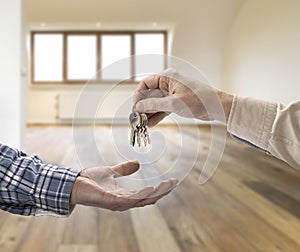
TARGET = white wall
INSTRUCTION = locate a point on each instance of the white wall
(199, 26)
(263, 51)
(11, 97)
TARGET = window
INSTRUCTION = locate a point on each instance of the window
(48, 57)
(75, 57)
(149, 44)
(114, 48)
(81, 57)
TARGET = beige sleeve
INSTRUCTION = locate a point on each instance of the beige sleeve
(268, 126)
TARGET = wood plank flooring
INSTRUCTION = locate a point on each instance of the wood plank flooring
(252, 203)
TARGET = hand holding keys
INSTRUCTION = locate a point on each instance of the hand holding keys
(138, 123)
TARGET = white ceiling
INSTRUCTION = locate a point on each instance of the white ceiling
(120, 10)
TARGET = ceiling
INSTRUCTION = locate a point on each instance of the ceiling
(120, 10)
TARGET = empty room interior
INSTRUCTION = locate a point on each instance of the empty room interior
(70, 71)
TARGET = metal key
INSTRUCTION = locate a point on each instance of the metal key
(138, 123)
(144, 122)
(134, 120)
(146, 136)
(132, 136)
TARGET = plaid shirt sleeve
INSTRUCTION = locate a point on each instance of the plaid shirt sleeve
(30, 187)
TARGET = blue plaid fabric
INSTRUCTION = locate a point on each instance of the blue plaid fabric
(30, 187)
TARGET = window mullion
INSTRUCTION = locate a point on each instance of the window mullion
(32, 56)
(65, 57)
(99, 56)
(132, 53)
(165, 50)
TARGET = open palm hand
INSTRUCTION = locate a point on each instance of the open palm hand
(98, 187)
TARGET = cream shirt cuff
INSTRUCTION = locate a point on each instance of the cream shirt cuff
(251, 120)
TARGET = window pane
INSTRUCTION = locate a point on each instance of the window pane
(113, 49)
(48, 57)
(82, 57)
(149, 44)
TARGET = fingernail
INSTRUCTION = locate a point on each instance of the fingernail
(134, 161)
(140, 106)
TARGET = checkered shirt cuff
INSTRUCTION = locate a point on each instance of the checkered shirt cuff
(30, 187)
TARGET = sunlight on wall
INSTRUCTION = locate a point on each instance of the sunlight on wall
(11, 125)
(263, 51)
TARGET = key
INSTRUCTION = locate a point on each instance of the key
(138, 137)
(146, 137)
(138, 123)
(134, 120)
(141, 129)
(144, 123)
(132, 135)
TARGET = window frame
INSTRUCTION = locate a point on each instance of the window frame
(98, 34)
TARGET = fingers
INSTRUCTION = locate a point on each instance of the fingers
(146, 196)
(153, 105)
(159, 81)
(143, 193)
(156, 86)
(153, 82)
(156, 118)
(156, 108)
(153, 118)
(163, 189)
(122, 199)
(133, 193)
(149, 93)
(125, 169)
(125, 202)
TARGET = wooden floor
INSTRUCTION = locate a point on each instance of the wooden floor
(252, 203)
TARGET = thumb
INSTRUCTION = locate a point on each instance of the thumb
(153, 105)
(125, 169)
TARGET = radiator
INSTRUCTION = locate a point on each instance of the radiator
(102, 107)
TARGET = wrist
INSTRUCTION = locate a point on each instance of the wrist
(75, 190)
